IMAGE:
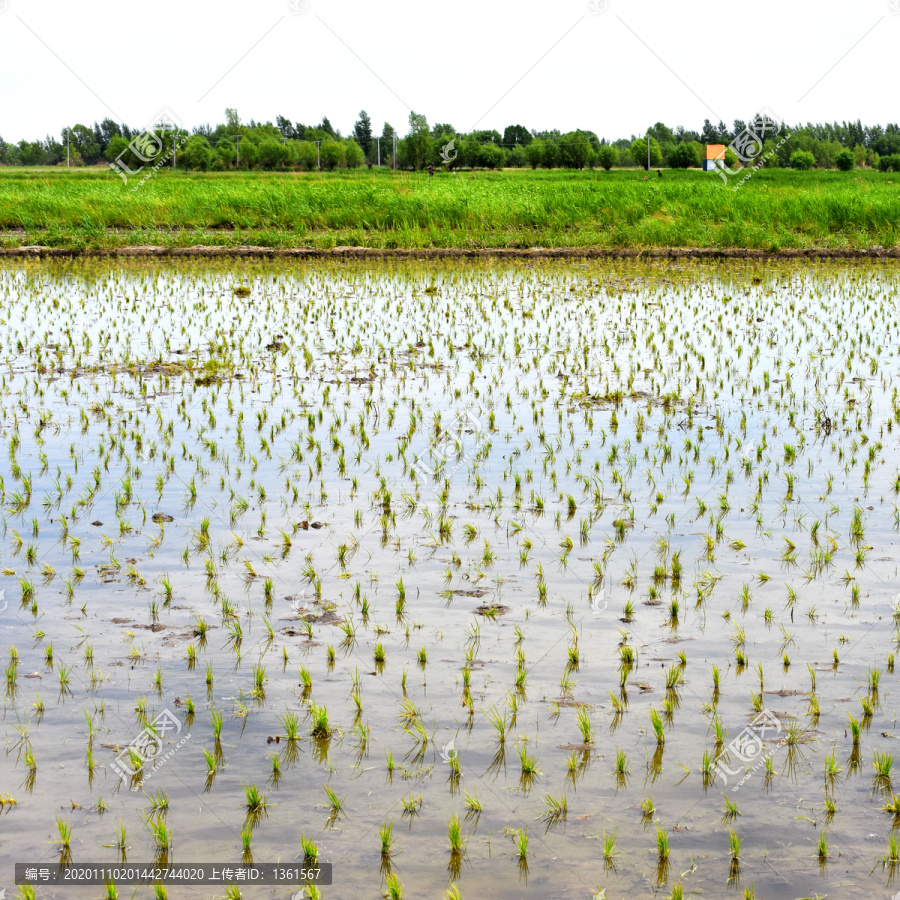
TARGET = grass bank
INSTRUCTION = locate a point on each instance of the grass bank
(775, 210)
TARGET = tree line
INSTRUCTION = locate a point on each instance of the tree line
(292, 145)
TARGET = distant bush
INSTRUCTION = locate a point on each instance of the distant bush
(273, 155)
(684, 156)
(196, 154)
(889, 163)
(490, 156)
(516, 157)
(333, 155)
(802, 159)
(607, 156)
(845, 160)
(639, 153)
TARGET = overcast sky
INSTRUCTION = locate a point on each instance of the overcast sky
(612, 66)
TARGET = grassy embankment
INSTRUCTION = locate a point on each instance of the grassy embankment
(79, 209)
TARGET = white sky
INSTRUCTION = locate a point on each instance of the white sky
(457, 61)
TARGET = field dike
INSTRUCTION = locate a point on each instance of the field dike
(208, 252)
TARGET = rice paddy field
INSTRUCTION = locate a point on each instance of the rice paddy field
(472, 580)
(775, 209)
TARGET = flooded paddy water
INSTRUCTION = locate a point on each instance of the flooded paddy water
(515, 581)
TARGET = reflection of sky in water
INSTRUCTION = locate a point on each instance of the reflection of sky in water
(668, 458)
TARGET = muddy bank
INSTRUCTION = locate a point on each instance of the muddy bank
(208, 252)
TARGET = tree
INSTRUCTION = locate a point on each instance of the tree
(516, 157)
(490, 156)
(114, 148)
(550, 159)
(83, 140)
(607, 156)
(353, 155)
(273, 154)
(108, 130)
(225, 153)
(232, 120)
(249, 154)
(362, 131)
(639, 152)
(332, 155)
(802, 159)
(534, 153)
(516, 134)
(326, 127)
(419, 142)
(684, 156)
(285, 127)
(307, 155)
(662, 133)
(709, 134)
(574, 150)
(845, 160)
(196, 153)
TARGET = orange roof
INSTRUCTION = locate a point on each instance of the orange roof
(715, 151)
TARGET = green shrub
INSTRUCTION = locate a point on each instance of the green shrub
(607, 156)
(845, 160)
(684, 156)
(802, 159)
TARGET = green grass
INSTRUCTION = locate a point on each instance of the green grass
(78, 209)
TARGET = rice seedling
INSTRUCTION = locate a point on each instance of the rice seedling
(584, 725)
(883, 763)
(393, 887)
(411, 804)
(555, 807)
(309, 848)
(662, 843)
(521, 842)
(455, 837)
(254, 800)
(64, 829)
(528, 763)
(160, 835)
(319, 727)
(386, 837)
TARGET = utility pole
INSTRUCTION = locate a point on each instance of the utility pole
(238, 136)
(648, 152)
(395, 152)
(67, 148)
(379, 151)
